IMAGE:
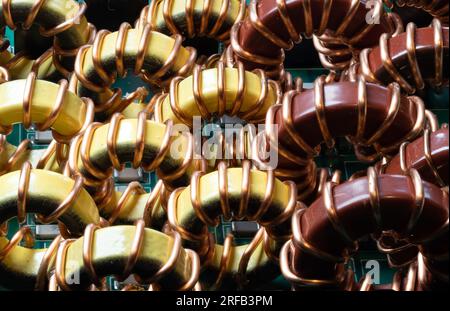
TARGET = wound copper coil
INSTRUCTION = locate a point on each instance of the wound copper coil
(100, 179)
(136, 249)
(24, 182)
(427, 154)
(67, 203)
(337, 53)
(389, 62)
(64, 24)
(42, 278)
(411, 224)
(24, 233)
(295, 150)
(289, 83)
(233, 149)
(27, 104)
(103, 75)
(15, 157)
(257, 44)
(132, 188)
(202, 241)
(39, 66)
(197, 86)
(424, 158)
(191, 27)
(436, 8)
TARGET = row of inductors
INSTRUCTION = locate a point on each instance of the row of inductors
(298, 219)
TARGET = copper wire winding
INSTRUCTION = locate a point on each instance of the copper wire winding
(25, 233)
(398, 247)
(427, 154)
(24, 182)
(294, 36)
(58, 106)
(41, 279)
(436, 8)
(69, 22)
(54, 149)
(20, 57)
(306, 167)
(413, 65)
(15, 157)
(262, 236)
(197, 87)
(108, 76)
(157, 196)
(299, 242)
(148, 16)
(236, 149)
(336, 53)
(88, 244)
(265, 235)
(289, 83)
(101, 179)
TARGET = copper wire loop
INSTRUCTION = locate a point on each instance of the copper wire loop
(60, 265)
(234, 149)
(42, 277)
(241, 52)
(149, 13)
(15, 157)
(24, 183)
(23, 233)
(21, 56)
(429, 158)
(413, 67)
(427, 154)
(299, 241)
(109, 75)
(133, 187)
(292, 277)
(66, 204)
(333, 216)
(158, 196)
